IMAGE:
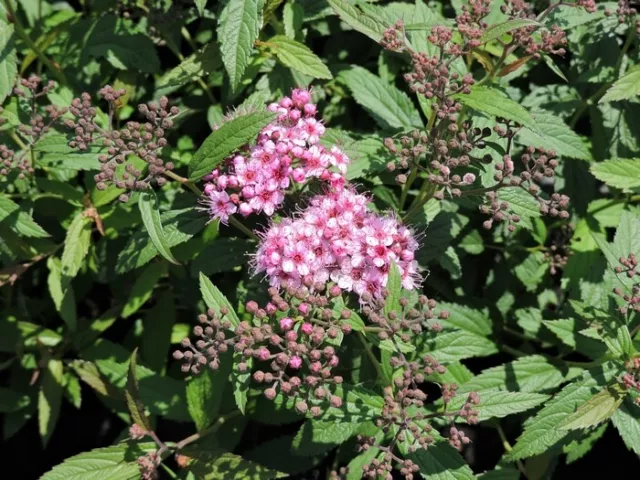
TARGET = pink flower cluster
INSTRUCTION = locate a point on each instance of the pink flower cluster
(336, 238)
(287, 150)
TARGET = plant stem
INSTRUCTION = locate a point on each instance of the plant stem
(507, 448)
(407, 186)
(372, 357)
(207, 431)
(32, 45)
(236, 223)
(184, 181)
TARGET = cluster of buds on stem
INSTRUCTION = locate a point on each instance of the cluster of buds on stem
(29, 91)
(292, 341)
(631, 378)
(136, 140)
(626, 14)
(629, 267)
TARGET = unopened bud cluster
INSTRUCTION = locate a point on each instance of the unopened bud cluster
(629, 268)
(143, 140)
(626, 14)
(631, 378)
(29, 91)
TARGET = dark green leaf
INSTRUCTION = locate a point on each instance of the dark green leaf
(150, 213)
(132, 395)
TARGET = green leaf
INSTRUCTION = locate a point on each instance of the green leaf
(73, 390)
(598, 409)
(627, 422)
(298, 56)
(390, 107)
(622, 173)
(222, 255)
(466, 318)
(365, 23)
(495, 103)
(62, 293)
(76, 247)
(441, 462)
(143, 288)
(132, 395)
(238, 28)
(117, 462)
(241, 380)
(8, 67)
(532, 270)
(214, 466)
(178, 226)
(150, 213)
(55, 153)
(195, 66)
(394, 286)
(625, 87)
(499, 404)
(214, 298)
(541, 432)
(11, 401)
(19, 221)
(552, 133)
(227, 139)
(452, 346)
(580, 447)
(120, 49)
(499, 29)
(532, 373)
(50, 398)
(522, 204)
(200, 4)
(315, 438)
(574, 334)
(157, 330)
(205, 393)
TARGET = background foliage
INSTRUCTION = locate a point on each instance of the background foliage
(90, 285)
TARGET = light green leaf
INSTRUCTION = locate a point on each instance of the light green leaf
(394, 286)
(532, 270)
(552, 133)
(627, 422)
(522, 204)
(623, 173)
(292, 18)
(390, 107)
(132, 395)
(73, 390)
(76, 247)
(298, 56)
(62, 293)
(55, 153)
(227, 139)
(8, 67)
(117, 462)
(365, 23)
(178, 225)
(574, 333)
(598, 409)
(197, 65)
(200, 5)
(18, 220)
(50, 398)
(541, 432)
(241, 380)
(315, 438)
(625, 87)
(238, 27)
(205, 393)
(533, 373)
(499, 29)
(216, 300)
(143, 288)
(214, 466)
(499, 404)
(466, 318)
(150, 213)
(458, 345)
(441, 462)
(495, 103)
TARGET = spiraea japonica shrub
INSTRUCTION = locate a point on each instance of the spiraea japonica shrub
(320, 239)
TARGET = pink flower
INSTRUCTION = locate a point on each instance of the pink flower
(286, 323)
(295, 362)
(468, 178)
(306, 328)
(220, 206)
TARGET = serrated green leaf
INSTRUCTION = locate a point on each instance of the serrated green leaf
(465, 318)
(18, 220)
(623, 173)
(76, 247)
(228, 138)
(495, 103)
(143, 288)
(222, 255)
(150, 213)
(581, 446)
(499, 404)
(394, 287)
(238, 28)
(532, 373)
(11, 401)
(627, 422)
(390, 107)
(625, 87)
(50, 398)
(132, 395)
(575, 334)
(241, 380)
(499, 29)
(200, 5)
(55, 153)
(8, 67)
(178, 225)
(453, 346)
(532, 270)
(315, 438)
(117, 462)
(298, 56)
(441, 462)
(522, 204)
(554, 134)
(216, 300)
(73, 390)
(213, 466)
(541, 432)
(197, 65)
(598, 409)
(367, 24)
(205, 393)
(62, 293)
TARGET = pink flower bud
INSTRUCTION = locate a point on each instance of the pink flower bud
(469, 178)
(306, 328)
(295, 362)
(304, 308)
(263, 354)
(286, 323)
